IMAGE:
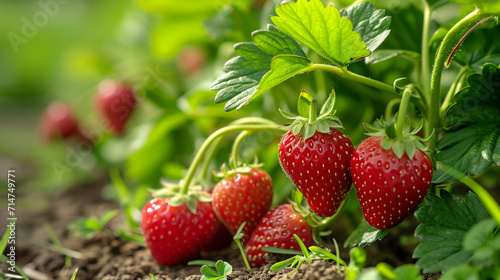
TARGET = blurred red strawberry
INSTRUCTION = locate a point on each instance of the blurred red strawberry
(116, 102)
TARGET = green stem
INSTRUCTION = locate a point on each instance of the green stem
(426, 76)
(354, 77)
(239, 126)
(388, 108)
(403, 108)
(236, 147)
(445, 49)
(344, 73)
(326, 223)
(203, 173)
(451, 92)
(313, 111)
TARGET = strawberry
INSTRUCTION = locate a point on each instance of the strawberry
(390, 178)
(174, 234)
(276, 229)
(243, 195)
(316, 157)
(116, 102)
(58, 121)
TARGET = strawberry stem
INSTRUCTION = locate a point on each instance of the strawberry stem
(403, 108)
(326, 223)
(313, 111)
(236, 148)
(250, 124)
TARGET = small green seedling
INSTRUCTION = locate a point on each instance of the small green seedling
(222, 270)
(74, 274)
(307, 255)
(88, 227)
(237, 238)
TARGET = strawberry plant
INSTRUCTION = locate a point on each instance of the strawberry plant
(375, 124)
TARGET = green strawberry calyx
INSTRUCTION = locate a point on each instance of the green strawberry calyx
(398, 133)
(307, 122)
(173, 191)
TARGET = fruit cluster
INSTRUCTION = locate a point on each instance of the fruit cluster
(391, 175)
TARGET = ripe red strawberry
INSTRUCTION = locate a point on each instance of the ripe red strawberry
(58, 121)
(389, 188)
(243, 196)
(316, 156)
(116, 102)
(174, 234)
(319, 167)
(276, 229)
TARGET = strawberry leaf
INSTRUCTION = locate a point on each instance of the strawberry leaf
(244, 72)
(283, 67)
(322, 29)
(370, 22)
(445, 221)
(364, 235)
(471, 143)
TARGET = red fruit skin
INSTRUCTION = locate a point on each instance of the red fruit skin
(319, 167)
(58, 121)
(243, 197)
(276, 229)
(389, 188)
(173, 234)
(115, 102)
(221, 240)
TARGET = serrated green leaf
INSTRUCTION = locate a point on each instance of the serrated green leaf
(383, 55)
(364, 235)
(329, 105)
(471, 143)
(370, 22)
(244, 72)
(322, 29)
(283, 67)
(303, 104)
(444, 223)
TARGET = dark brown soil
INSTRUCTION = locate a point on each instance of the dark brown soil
(108, 257)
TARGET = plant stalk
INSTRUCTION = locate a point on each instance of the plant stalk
(344, 73)
(445, 49)
(239, 126)
(403, 108)
(426, 68)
